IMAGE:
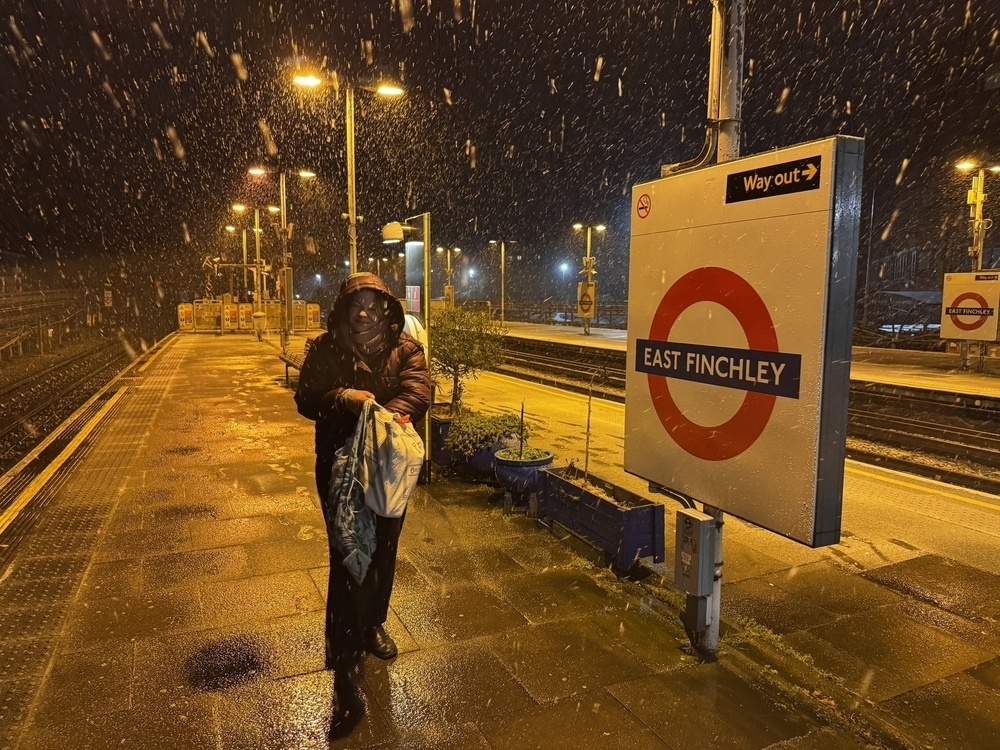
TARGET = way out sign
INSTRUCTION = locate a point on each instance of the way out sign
(969, 303)
(741, 298)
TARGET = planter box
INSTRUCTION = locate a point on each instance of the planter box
(440, 425)
(626, 527)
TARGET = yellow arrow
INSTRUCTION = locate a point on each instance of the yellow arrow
(810, 171)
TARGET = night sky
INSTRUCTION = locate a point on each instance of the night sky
(129, 124)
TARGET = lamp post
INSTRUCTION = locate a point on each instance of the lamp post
(503, 273)
(384, 89)
(587, 299)
(449, 288)
(285, 235)
(232, 229)
(242, 208)
(976, 198)
(394, 233)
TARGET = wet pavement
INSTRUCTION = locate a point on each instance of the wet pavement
(171, 595)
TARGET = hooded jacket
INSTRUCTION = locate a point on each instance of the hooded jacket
(397, 375)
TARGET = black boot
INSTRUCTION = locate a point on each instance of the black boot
(348, 705)
(378, 643)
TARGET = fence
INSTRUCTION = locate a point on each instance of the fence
(215, 315)
(41, 321)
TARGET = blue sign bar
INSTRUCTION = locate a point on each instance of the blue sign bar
(774, 373)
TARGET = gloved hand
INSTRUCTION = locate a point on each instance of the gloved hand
(353, 399)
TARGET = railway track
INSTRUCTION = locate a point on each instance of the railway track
(31, 408)
(930, 433)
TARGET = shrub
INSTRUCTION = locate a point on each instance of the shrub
(528, 454)
(472, 432)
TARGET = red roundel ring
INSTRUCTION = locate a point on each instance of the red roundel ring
(722, 286)
(979, 321)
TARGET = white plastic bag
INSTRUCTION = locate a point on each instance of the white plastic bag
(394, 456)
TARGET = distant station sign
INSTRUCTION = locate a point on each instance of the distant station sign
(969, 303)
(586, 299)
(740, 314)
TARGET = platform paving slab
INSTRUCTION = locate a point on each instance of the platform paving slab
(207, 576)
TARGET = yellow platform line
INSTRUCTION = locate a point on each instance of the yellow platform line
(157, 353)
(923, 488)
(39, 482)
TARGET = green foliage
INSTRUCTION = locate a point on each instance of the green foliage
(528, 454)
(472, 432)
(463, 342)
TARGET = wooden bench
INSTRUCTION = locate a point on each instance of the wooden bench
(292, 360)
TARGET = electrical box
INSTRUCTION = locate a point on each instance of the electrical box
(694, 558)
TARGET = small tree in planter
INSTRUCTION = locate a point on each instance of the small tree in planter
(518, 470)
(463, 342)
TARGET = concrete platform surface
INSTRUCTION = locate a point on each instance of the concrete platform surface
(169, 590)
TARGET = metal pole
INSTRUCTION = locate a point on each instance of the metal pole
(256, 267)
(586, 268)
(732, 17)
(286, 258)
(733, 21)
(868, 264)
(352, 208)
(426, 221)
(246, 284)
(503, 273)
(978, 226)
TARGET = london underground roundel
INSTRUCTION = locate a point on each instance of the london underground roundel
(761, 370)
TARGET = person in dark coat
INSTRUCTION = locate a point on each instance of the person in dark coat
(364, 354)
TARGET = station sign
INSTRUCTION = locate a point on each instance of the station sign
(586, 299)
(741, 299)
(969, 303)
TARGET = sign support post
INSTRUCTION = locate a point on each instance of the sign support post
(727, 34)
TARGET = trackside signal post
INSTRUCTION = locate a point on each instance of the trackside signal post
(741, 299)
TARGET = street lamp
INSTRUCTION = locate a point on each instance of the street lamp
(976, 199)
(503, 267)
(587, 298)
(383, 89)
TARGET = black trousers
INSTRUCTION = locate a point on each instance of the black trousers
(352, 608)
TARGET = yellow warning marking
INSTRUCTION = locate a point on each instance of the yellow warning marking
(924, 488)
(148, 362)
(39, 482)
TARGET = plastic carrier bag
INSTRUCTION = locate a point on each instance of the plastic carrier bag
(393, 458)
(353, 529)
